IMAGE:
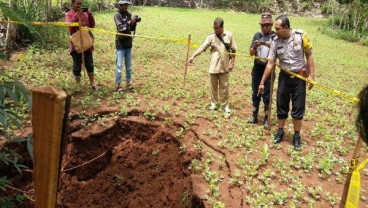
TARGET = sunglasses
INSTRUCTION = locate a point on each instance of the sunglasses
(265, 25)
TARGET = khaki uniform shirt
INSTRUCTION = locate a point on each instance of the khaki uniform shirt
(219, 59)
(291, 52)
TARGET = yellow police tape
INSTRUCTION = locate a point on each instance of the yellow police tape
(75, 24)
(353, 197)
(139, 36)
(324, 87)
(63, 24)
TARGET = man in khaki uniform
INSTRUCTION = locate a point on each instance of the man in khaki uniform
(290, 47)
(221, 43)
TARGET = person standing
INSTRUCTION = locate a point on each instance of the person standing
(362, 118)
(124, 24)
(221, 43)
(290, 46)
(87, 20)
(260, 48)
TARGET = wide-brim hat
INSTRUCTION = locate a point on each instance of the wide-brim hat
(266, 18)
(124, 2)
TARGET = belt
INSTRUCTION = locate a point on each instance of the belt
(289, 75)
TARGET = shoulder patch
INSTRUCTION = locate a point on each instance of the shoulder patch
(306, 42)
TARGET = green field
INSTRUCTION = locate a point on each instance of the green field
(267, 175)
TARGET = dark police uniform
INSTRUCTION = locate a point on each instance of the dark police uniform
(291, 57)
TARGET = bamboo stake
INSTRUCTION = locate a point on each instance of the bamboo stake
(48, 113)
(353, 165)
(81, 42)
(270, 103)
(186, 59)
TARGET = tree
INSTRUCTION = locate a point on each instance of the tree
(10, 32)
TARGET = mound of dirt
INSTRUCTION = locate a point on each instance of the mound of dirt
(125, 162)
(116, 162)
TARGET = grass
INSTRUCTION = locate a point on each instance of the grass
(328, 133)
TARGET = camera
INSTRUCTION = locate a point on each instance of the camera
(137, 18)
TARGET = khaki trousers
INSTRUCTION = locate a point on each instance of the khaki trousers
(219, 84)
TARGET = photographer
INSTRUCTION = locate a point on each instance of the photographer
(125, 24)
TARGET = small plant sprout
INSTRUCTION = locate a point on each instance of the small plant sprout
(155, 153)
(118, 180)
(265, 153)
(182, 149)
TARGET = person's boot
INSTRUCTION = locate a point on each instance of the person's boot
(279, 136)
(92, 81)
(254, 118)
(265, 122)
(296, 142)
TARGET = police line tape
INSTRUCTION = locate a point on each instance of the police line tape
(187, 41)
(63, 24)
(324, 87)
(353, 197)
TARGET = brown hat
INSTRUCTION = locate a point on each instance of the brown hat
(266, 18)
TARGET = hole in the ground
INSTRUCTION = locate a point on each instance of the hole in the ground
(127, 163)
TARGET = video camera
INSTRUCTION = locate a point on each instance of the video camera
(137, 18)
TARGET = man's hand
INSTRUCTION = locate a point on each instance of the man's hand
(230, 67)
(260, 89)
(256, 44)
(132, 21)
(310, 86)
(191, 60)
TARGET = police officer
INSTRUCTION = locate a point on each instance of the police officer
(289, 47)
(260, 47)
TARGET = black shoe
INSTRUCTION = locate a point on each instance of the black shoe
(279, 137)
(265, 123)
(253, 120)
(130, 88)
(296, 142)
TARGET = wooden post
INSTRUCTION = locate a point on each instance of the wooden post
(353, 165)
(186, 59)
(48, 115)
(270, 103)
(81, 43)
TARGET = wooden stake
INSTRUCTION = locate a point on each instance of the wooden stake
(48, 113)
(186, 59)
(353, 165)
(81, 43)
(270, 103)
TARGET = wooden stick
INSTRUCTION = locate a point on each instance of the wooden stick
(353, 165)
(270, 103)
(21, 191)
(81, 42)
(85, 163)
(186, 59)
(48, 112)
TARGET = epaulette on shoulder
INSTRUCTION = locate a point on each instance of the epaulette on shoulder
(299, 31)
